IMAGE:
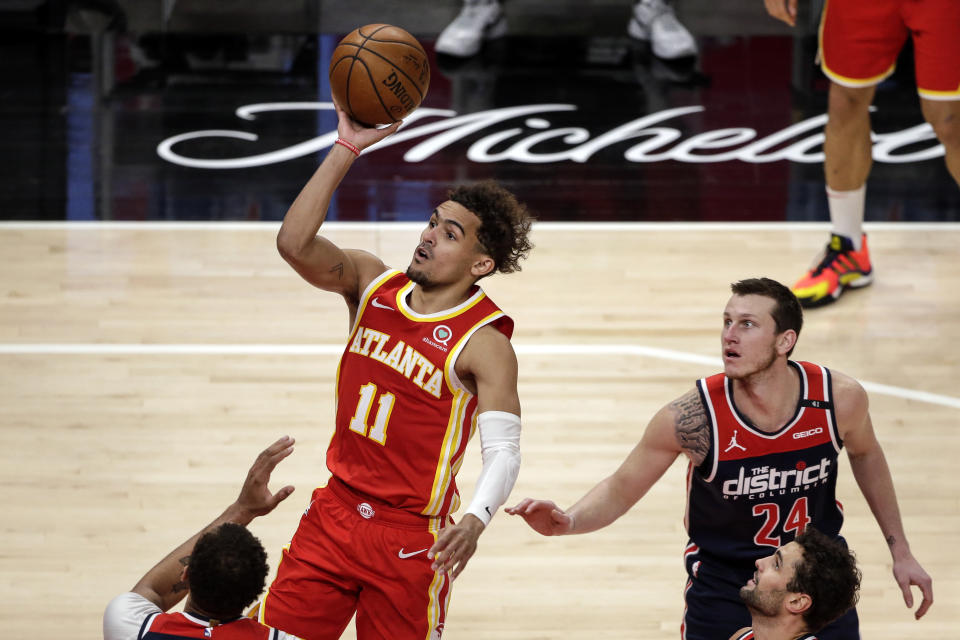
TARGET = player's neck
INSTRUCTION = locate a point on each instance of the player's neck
(769, 397)
(778, 628)
(433, 299)
(190, 607)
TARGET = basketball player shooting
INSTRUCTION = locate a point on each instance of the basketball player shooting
(428, 357)
(763, 439)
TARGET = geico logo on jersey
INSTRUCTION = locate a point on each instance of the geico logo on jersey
(807, 433)
(765, 481)
(403, 358)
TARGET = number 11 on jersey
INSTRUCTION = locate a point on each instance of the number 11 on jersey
(358, 423)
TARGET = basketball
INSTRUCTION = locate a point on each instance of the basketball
(378, 74)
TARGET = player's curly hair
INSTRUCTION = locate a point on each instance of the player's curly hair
(227, 570)
(504, 222)
(828, 573)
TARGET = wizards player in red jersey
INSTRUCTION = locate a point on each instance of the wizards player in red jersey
(762, 440)
(220, 570)
(859, 44)
(428, 361)
(800, 588)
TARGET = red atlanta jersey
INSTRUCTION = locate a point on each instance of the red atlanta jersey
(174, 626)
(756, 490)
(403, 416)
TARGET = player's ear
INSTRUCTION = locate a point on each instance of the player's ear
(786, 341)
(797, 603)
(482, 266)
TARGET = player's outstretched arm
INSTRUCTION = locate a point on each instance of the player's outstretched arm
(785, 10)
(163, 584)
(316, 259)
(678, 427)
(872, 474)
(490, 364)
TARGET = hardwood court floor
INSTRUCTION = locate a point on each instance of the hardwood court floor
(116, 444)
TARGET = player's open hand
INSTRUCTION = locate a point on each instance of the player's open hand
(908, 572)
(543, 516)
(255, 497)
(360, 135)
(455, 546)
(785, 10)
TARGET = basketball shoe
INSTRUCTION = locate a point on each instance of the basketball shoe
(655, 20)
(478, 20)
(841, 266)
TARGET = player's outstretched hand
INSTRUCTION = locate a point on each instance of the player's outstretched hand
(543, 516)
(359, 135)
(908, 572)
(255, 497)
(785, 10)
(455, 546)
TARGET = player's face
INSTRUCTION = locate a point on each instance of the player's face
(448, 251)
(766, 591)
(749, 336)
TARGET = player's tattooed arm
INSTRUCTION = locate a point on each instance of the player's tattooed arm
(180, 586)
(691, 426)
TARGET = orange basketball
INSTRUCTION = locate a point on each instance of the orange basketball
(378, 74)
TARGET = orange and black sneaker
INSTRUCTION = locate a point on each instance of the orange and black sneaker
(842, 266)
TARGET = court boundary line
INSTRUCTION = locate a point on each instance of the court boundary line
(114, 225)
(336, 349)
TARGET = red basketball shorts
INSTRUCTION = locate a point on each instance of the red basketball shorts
(350, 555)
(860, 41)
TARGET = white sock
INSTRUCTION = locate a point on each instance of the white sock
(846, 213)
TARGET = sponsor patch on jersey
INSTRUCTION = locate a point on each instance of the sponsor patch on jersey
(441, 337)
(808, 433)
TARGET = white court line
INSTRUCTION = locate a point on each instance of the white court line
(115, 225)
(337, 349)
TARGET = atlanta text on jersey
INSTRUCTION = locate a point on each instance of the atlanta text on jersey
(766, 482)
(403, 358)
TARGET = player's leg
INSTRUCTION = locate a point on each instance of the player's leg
(944, 117)
(656, 21)
(859, 43)
(847, 146)
(935, 25)
(477, 21)
(310, 597)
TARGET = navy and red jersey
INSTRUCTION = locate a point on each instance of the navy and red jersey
(747, 634)
(403, 416)
(756, 490)
(174, 626)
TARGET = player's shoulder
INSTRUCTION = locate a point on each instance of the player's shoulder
(843, 383)
(685, 421)
(688, 405)
(848, 394)
(125, 614)
(368, 267)
(489, 342)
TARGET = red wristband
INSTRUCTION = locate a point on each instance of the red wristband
(348, 145)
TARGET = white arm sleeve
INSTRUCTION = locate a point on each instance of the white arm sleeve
(125, 615)
(500, 450)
